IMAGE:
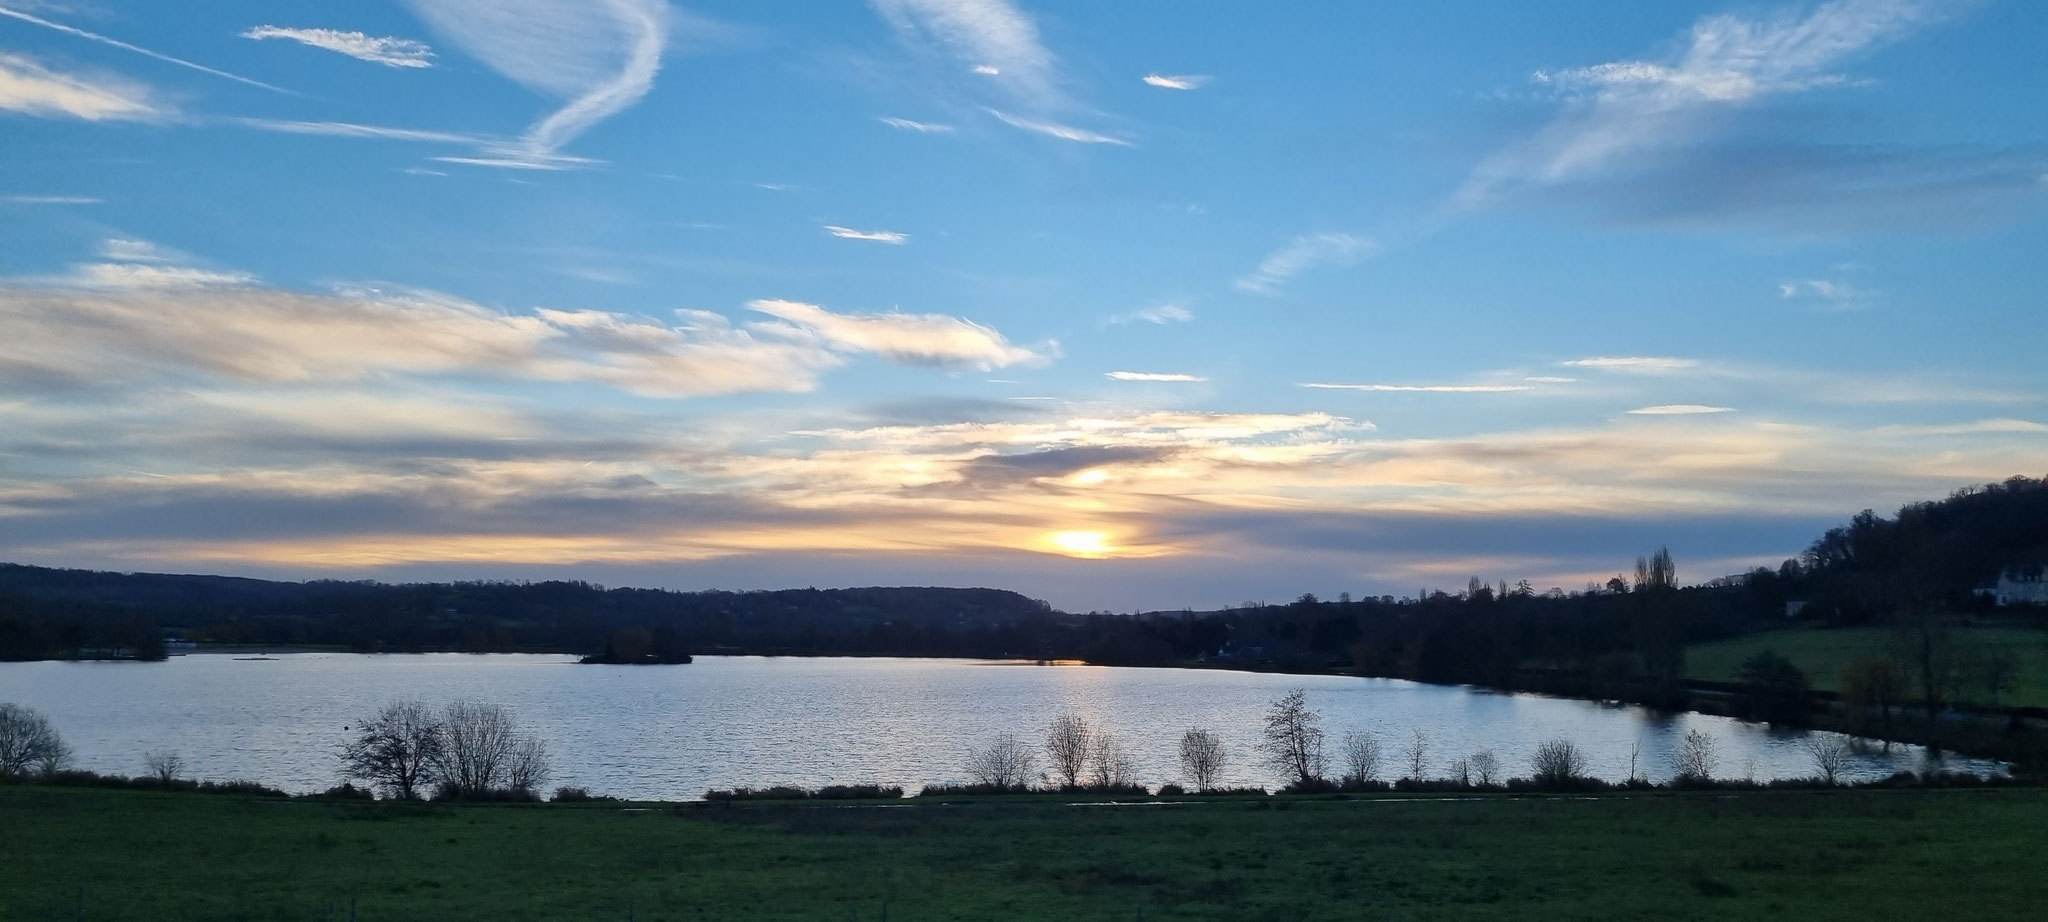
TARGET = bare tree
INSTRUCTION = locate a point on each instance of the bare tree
(1996, 670)
(1069, 743)
(1696, 758)
(1486, 765)
(1361, 754)
(27, 741)
(1635, 755)
(165, 766)
(1006, 763)
(1112, 763)
(477, 745)
(1293, 744)
(1418, 753)
(1201, 758)
(1461, 772)
(529, 767)
(402, 750)
(1557, 761)
(1831, 755)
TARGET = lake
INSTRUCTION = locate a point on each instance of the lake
(671, 732)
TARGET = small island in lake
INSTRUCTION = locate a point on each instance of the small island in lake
(635, 646)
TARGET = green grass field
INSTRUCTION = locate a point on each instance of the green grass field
(1822, 652)
(1854, 855)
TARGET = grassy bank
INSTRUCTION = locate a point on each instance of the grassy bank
(1822, 653)
(90, 854)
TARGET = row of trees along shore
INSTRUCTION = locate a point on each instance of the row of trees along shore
(1295, 749)
(475, 751)
(407, 751)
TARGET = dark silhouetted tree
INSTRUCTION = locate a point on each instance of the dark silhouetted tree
(1293, 739)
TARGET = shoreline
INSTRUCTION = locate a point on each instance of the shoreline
(2013, 736)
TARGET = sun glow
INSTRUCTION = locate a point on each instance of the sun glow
(1082, 543)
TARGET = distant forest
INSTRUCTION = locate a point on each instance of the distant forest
(1925, 562)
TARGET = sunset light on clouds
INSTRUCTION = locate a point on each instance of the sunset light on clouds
(1113, 307)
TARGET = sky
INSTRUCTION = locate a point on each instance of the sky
(1141, 305)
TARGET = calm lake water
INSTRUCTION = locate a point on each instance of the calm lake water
(671, 732)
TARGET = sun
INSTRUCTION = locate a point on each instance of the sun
(1082, 543)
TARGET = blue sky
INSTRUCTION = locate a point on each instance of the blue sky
(1119, 305)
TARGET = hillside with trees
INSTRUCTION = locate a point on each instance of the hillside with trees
(1623, 639)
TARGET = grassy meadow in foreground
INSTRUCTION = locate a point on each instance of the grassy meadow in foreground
(1823, 652)
(1853, 855)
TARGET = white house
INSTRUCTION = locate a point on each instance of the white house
(2022, 587)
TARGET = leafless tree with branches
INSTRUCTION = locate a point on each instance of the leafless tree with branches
(1557, 761)
(28, 742)
(1293, 744)
(1486, 765)
(1006, 763)
(1831, 755)
(1418, 753)
(1696, 757)
(1069, 744)
(164, 766)
(402, 750)
(478, 742)
(1112, 764)
(1361, 753)
(1201, 758)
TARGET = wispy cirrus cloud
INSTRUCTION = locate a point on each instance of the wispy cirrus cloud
(1000, 45)
(915, 339)
(1302, 254)
(27, 199)
(917, 126)
(1426, 388)
(147, 277)
(991, 37)
(124, 46)
(601, 57)
(878, 236)
(1057, 130)
(1828, 293)
(1637, 364)
(1729, 62)
(354, 130)
(32, 89)
(385, 50)
(1687, 141)
(1679, 409)
(1160, 377)
(1177, 82)
(1158, 315)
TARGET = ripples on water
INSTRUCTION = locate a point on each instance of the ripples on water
(671, 732)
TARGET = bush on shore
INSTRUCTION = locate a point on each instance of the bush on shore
(828, 792)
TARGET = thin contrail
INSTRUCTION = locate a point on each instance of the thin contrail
(181, 62)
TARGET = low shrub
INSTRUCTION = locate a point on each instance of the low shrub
(777, 792)
(1232, 792)
(1170, 789)
(858, 792)
(1577, 784)
(347, 791)
(962, 790)
(574, 795)
(449, 792)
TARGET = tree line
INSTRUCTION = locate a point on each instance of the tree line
(466, 750)
(1294, 748)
